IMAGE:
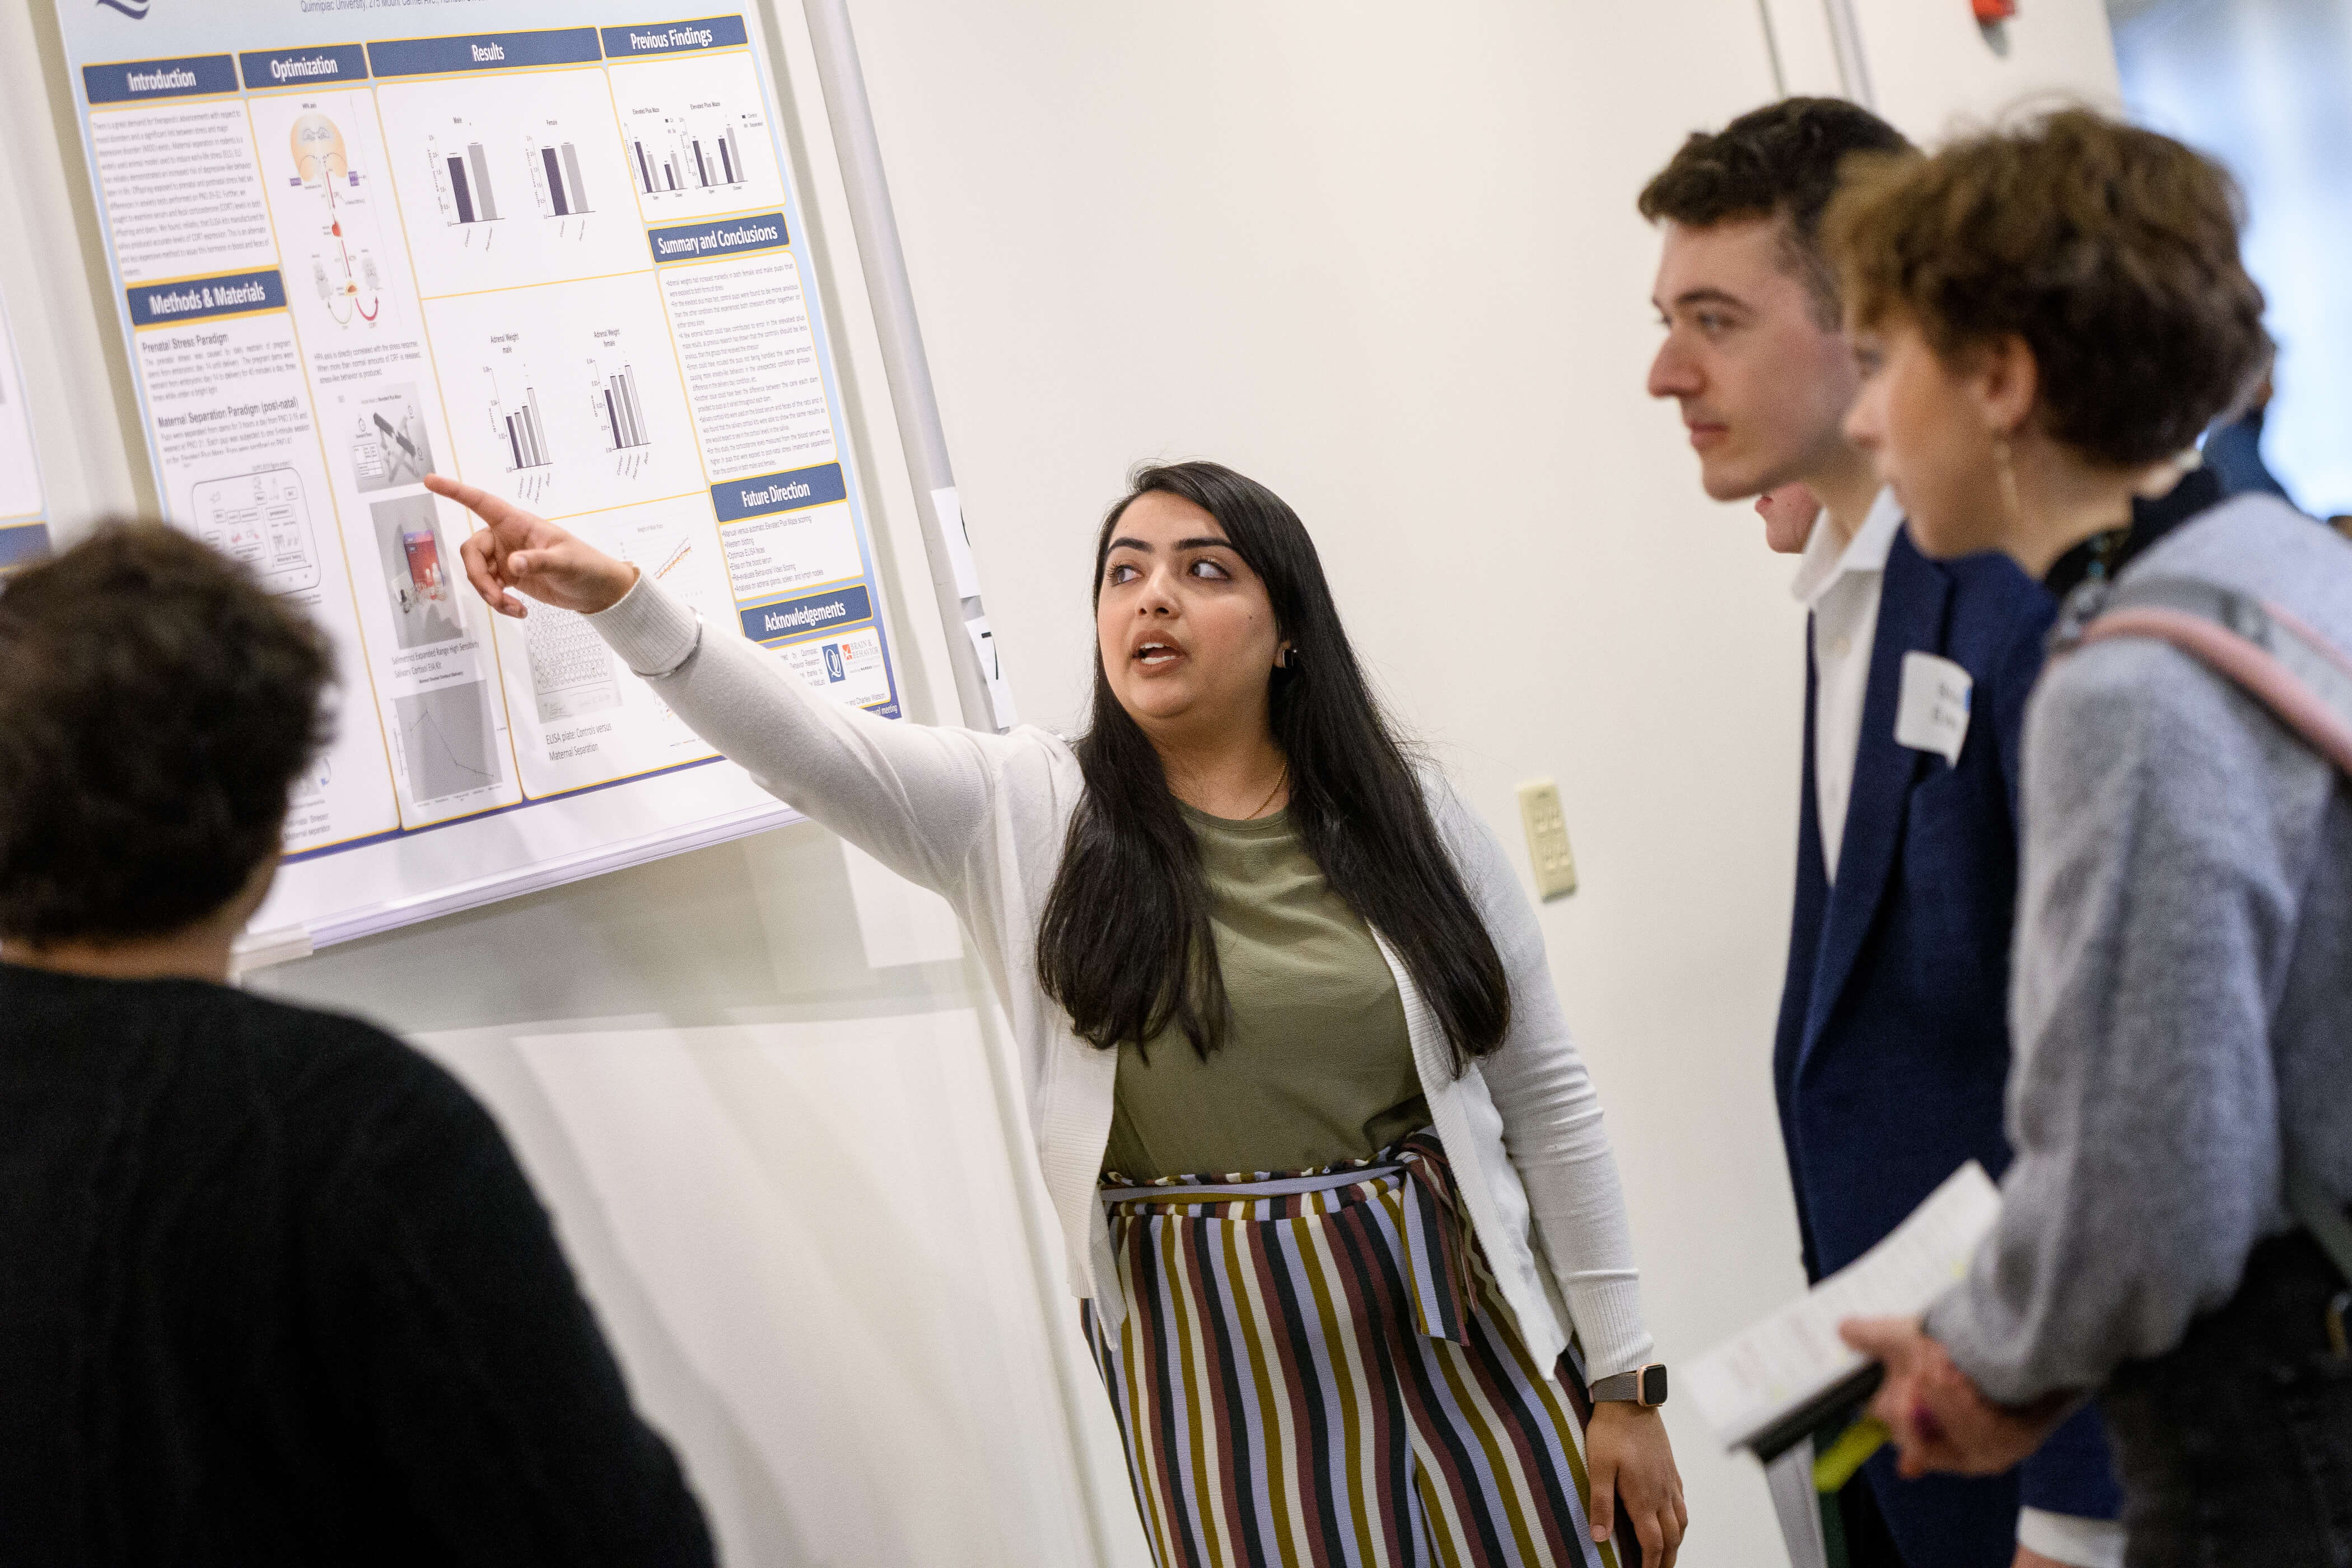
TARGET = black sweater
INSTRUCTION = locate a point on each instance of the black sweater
(273, 1289)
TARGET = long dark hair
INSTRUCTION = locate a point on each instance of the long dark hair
(1125, 944)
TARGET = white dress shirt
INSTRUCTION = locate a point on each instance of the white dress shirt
(1841, 584)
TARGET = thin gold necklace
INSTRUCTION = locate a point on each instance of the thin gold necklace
(1280, 779)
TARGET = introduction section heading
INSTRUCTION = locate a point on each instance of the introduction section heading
(131, 81)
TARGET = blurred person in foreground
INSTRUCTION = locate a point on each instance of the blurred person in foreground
(2046, 318)
(275, 1290)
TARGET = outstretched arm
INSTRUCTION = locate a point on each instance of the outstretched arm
(915, 796)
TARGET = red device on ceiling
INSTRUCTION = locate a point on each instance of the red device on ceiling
(1994, 10)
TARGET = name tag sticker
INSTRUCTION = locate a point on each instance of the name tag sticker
(1934, 713)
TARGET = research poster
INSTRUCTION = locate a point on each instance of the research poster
(357, 243)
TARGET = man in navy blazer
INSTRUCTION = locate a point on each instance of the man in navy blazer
(1893, 1050)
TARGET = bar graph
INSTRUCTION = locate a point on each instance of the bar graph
(613, 401)
(462, 179)
(521, 433)
(688, 162)
(556, 173)
(534, 444)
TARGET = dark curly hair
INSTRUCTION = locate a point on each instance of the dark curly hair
(2112, 251)
(155, 709)
(1781, 161)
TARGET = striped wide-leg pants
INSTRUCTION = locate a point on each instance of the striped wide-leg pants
(1318, 1370)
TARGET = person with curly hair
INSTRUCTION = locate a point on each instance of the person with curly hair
(2048, 316)
(275, 1290)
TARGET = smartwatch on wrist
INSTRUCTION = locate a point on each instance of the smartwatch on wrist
(1644, 1386)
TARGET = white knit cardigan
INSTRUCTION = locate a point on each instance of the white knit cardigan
(982, 819)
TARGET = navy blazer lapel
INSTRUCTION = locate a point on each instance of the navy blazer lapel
(1792, 1030)
(1911, 605)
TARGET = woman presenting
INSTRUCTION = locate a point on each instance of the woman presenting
(1331, 1176)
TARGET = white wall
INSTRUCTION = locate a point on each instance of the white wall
(1932, 69)
(1927, 66)
(1385, 259)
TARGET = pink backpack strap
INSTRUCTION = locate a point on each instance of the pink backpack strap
(2301, 677)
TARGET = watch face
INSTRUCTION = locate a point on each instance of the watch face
(1654, 1384)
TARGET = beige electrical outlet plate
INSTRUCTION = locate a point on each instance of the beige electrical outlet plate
(1546, 828)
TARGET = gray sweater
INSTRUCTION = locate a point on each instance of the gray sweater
(2183, 983)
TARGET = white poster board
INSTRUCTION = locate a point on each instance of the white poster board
(23, 524)
(354, 246)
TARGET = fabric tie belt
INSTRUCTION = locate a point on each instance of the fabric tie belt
(1411, 1178)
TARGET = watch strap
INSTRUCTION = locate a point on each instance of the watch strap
(1644, 1385)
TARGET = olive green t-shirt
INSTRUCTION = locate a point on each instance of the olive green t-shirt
(1317, 1066)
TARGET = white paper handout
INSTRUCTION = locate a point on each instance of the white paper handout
(1768, 1372)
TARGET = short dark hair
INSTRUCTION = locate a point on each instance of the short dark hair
(155, 709)
(2112, 251)
(1778, 162)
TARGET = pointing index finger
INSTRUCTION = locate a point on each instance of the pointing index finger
(491, 509)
